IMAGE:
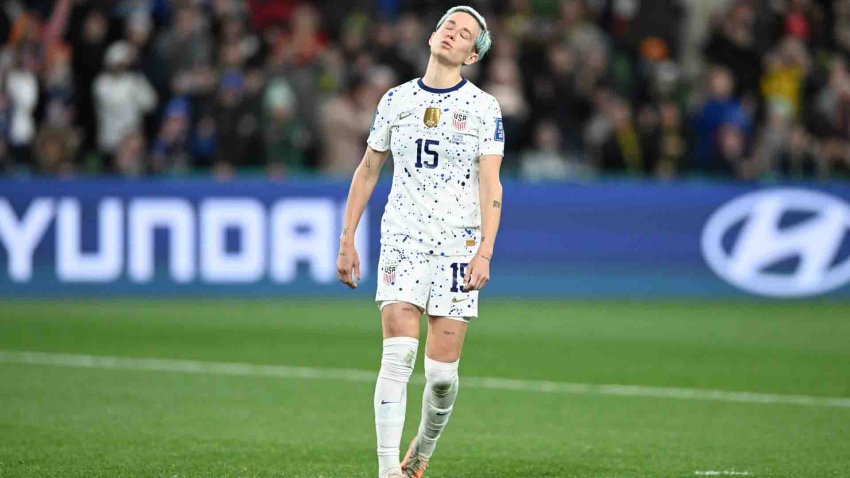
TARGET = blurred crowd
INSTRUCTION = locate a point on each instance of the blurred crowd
(748, 89)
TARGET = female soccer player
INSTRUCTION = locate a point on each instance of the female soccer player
(437, 232)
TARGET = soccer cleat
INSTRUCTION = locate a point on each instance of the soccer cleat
(413, 464)
(394, 474)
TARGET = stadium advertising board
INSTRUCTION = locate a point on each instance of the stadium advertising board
(619, 239)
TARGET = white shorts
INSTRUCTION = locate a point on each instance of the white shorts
(432, 283)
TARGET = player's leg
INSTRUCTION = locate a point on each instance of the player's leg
(449, 309)
(442, 356)
(400, 322)
(402, 304)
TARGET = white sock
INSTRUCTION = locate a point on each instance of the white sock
(440, 393)
(391, 399)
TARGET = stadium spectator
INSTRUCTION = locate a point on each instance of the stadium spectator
(22, 91)
(671, 142)
(797, 160)
(131, 159)
(122, 98)
(720, 109)
(504, 83)
(547, 161)
(346, 120)
(58, 88)
(733, 45)
(622, 151)
(297, 55)
(411, 47)
(87, 33)
(731, 157)
(237, 125)
(171, 152)
(772, 140)
(138, 31)
(184, 51)
(578, 31)
(832, 118)
(553, 94)
(284, 136)
(785, 71)
(54, 151)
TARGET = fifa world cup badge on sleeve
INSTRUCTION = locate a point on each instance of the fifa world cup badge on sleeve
(500, 131)
(432, 117)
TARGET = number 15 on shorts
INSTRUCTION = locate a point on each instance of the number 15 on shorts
(458, 271)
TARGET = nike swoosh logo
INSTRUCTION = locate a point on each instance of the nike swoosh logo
(404, 115)
(384, 402)
(455, 300)
(442, 414)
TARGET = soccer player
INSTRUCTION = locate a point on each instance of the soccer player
(437, 232)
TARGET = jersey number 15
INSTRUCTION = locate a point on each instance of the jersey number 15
(425, 144)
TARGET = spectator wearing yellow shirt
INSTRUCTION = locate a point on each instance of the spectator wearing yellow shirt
(786, 69)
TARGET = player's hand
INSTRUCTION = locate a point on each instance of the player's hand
(348, 265)
(477, 273)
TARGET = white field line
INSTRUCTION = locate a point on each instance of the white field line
(351, 375)
(723, 473)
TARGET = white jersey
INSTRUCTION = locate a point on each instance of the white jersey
(436, 137)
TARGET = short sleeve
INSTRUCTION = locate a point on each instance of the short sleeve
(379, 135)
(491, 135)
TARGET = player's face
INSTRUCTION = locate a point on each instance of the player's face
(454, 41)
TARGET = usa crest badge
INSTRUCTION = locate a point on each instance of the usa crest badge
(432, 117)
(389, 273)
(459, 120)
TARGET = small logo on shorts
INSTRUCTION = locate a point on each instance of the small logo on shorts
(455, 300)
(389, 273)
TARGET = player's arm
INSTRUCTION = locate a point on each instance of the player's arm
(490, 197)
(362, 184)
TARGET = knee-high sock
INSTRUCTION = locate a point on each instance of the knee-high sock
(437, 403)
(391, 398)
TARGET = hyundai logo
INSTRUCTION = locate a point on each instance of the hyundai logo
(780, 242)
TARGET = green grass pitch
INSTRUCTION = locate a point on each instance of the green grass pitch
(75, 421)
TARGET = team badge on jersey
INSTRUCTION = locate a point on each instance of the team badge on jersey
(432, 117)
(389, 273)
(459, 120)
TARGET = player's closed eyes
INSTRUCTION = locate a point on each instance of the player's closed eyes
(465, 34)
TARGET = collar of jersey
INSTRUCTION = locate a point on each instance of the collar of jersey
(441, 90)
